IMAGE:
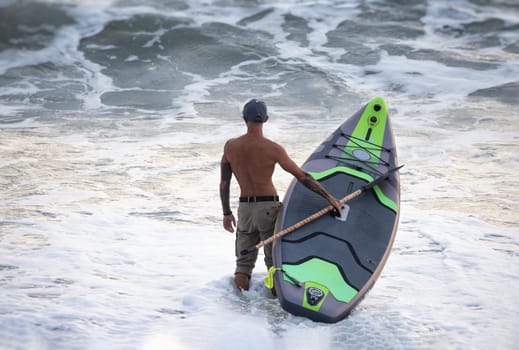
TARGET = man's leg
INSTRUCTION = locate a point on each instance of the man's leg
(245, 238)
(267, 215)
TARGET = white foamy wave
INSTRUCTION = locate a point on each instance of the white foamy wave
(427, 79)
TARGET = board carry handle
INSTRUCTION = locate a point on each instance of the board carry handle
(321, 212)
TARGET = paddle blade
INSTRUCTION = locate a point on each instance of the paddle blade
(381, 178)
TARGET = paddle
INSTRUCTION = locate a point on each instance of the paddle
(320, 213)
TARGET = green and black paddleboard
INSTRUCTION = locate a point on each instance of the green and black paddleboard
(324, 269)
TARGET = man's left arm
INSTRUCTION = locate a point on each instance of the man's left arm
(225, 189)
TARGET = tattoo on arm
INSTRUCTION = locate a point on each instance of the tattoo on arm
(315, 186)
(225, 186)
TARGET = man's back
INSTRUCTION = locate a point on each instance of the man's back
(253, 159)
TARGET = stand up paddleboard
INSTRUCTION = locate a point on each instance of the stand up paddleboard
(323, 269)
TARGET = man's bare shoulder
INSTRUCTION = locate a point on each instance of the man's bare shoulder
(243, 143)
(276, 147)
(230, 143)
(234, 146)
(270, 143)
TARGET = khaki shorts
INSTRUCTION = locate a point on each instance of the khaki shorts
(256, 222)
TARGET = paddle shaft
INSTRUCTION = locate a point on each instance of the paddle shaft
(320, 213)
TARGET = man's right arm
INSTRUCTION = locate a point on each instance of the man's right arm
(306, 179)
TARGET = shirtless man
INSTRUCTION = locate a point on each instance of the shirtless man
(252, 158)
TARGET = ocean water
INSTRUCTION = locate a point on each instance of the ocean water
(113, 116)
